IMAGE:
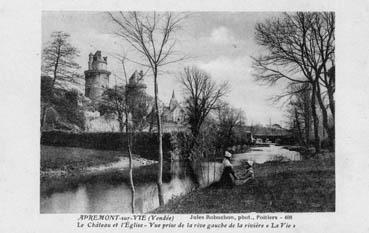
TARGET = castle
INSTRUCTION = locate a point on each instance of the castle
(97, 76)
(97, 80)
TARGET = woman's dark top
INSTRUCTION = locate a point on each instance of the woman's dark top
(228, 175)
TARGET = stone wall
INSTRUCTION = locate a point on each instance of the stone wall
(96, 123)
(96, 82)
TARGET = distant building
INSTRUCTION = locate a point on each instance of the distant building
(172, 117)
(276, 126)
(173, 113)
(97, 76)
(101, 123)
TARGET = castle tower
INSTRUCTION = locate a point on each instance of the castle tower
(135, 81)
(97, 76)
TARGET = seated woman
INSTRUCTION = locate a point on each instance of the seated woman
(249, 169)
(226, 179)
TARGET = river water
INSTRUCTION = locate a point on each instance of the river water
(106, 198)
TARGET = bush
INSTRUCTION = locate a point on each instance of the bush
(326, 144)
(144, 144)
(176, 145)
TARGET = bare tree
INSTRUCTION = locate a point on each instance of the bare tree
(129, 129)
(300, 50)
(298, 100)
(202, 95)
(153, 37)
(130, 103)
(58, 61)
(116, 100)
(228, 119)
(303, 105)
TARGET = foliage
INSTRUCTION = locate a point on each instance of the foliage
(133, 100)
(230, 122)
(301, 50)
(300, 113)
(68, 108)
(58, 63)
(58, 59)
(139, 104)
(201, 96)
(144, 144)
(210, 142)
(64, 102)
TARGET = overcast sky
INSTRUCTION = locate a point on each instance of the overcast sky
(219, 43)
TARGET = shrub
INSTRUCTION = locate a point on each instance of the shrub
(144, 144)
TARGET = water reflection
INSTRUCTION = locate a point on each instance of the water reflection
(108, 198)
(270, 153)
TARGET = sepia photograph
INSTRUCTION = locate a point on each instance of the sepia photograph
(187, 112)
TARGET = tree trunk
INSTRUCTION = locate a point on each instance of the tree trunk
(121, 124)
(151, 122)
(301, 141)
(324, 114)
(333, 111)
(131, 175)
(129, 143)
(52, 85)
(160, 170)
(43, 115)
(307, 116)
(307, 121)
(331, 102)
(315, 119)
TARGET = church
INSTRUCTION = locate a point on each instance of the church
(172, 117)
(174, 113)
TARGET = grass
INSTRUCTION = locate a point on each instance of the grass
(302, 186)
(73, 158)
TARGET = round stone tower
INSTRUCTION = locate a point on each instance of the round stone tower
(97, 76)
(135, 81)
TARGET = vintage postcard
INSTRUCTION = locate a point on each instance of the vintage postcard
(191, 120)
(187, 112)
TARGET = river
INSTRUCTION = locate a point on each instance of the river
(106, 198)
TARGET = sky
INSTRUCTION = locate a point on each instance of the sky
(219, 43)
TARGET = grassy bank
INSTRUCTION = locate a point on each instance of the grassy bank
(72, 158)
(303, 186)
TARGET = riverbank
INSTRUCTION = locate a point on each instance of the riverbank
(295, 186)
(75, 158)
(64, 168)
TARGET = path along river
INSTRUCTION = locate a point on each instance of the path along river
(106, 198)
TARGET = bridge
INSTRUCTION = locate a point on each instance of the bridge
(273, 134)
(275, 137)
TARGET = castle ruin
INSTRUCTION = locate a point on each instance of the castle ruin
(97, 76)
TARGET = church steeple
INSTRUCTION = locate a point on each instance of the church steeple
(173, 102)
